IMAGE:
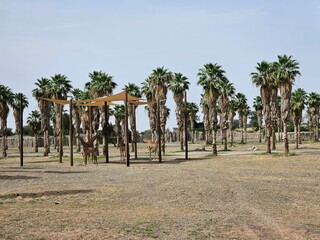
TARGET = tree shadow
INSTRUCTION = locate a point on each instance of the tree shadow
(46, 193)
(8, 177)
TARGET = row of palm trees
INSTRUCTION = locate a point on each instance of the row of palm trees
(219, 99)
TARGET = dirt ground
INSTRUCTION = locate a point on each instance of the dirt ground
(240, 194)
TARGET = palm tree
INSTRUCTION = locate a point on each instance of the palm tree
(206, 122)
(148, 92)
(241, 101)
(34, 122)
(262, 78)
(313, 110)
(160, 78)
(231, 113)
(101, 84)
(285, 72)
(298, 102)
(246, 112)
(119, 114)
(226, 90)
(178, 86)
(16, 110)
(76, 111)
(59, 89)
(257, 104)
(6, 100)
(133, 90)
(192, 109)
(210, 77)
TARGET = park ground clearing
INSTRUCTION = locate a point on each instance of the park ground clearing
(239, 194)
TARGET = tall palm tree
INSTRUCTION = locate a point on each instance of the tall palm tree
(257, 104)
(178, 86)
(231, 114)
(313, 110)
(102, 84)
(34, 122)
(298, 102)
(76, 111)
(285, 72)
(206, 122)
(133, 90)
(6, 100)
(227, 90)
(192, 109)
(210, 77)
(262, 78)
(16, 110)
(241, 100)
(148, 92)
(60, 87)
(160, 78)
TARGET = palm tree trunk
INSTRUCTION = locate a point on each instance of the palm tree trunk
(46, 142)
(299, 133)
(285, 139)
(36, 142)
(296, 135)
(273, 136)
(268, 138)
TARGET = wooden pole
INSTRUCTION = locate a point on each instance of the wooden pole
(21, 131)
(159, 131)
(90, 127)
(71, 135)
(106, 109)
(134, 134)
(126, 127)
(60, 136)
(186, 125)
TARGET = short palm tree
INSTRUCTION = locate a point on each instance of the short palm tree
(34, 122)
(17, 110)
(210, 76)
(192, 109)
(101, 84)
(262, 78)
(119, 115)
(160, 78)
(133, 90)
(206, 122)
(76, 113)
(242, 104)
(285, 71)
(313, 103)
(60, 87)
(231, 114)
(227, 90)
(178, 86)
(257, 105)
(298, 102)
(6, 100)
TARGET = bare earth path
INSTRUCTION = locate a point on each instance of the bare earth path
(237, 195)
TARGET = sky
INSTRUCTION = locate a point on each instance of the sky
(128, 39)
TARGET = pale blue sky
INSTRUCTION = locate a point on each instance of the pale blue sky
(127, 39)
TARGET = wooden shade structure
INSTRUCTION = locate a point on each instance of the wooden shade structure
(100, 102)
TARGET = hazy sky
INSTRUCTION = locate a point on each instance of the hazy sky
(129, 38)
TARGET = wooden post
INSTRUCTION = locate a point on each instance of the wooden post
(186, 125)
(71, 135)
(159, 131)
(134, 134)
(126, 127)
(106, 109)
(60, 135)
(90, 127)
(21, 131)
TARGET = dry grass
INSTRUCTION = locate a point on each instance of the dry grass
(241, 194)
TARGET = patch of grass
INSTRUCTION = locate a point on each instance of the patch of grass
(146, 229)
(276, 154)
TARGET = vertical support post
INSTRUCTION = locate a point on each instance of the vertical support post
(134, 134)
(159, 131)
(186, 124)
(106, 109)
(90, 127)
(126, 126)
(60, 135)
(21, 131)
(71, 135)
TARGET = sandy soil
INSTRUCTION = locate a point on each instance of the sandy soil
(240, 194)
